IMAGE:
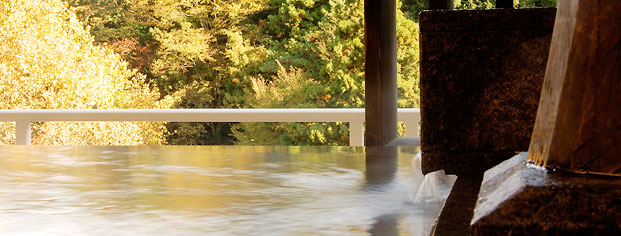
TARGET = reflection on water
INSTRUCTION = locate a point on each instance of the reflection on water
(228, 190)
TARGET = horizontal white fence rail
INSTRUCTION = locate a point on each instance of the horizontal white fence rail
(355, 118)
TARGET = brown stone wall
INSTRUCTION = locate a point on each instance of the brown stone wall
(481, 78)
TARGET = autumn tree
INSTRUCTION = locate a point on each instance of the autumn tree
(219, 53)
(48, 61)
(254, 54)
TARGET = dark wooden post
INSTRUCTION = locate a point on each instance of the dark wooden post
(441, 4)
(504, 3)
(578, 124)
(380, 71)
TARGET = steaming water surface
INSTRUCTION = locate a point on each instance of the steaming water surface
(225, 190)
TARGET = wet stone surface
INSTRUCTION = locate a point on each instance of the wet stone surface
(516, 199)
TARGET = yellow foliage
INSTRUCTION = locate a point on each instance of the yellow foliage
(48, 61)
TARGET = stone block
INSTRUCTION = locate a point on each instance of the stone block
(516, 199)
(481, 78)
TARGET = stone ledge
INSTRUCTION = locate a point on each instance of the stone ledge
(518, 200)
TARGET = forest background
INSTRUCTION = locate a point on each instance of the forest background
(119, 54)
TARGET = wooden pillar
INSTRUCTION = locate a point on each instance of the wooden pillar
(578, 124)
(380, 71)
(504, 3)
(441, 4)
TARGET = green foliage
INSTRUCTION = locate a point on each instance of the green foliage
(487, 4)
(290, 88)
(339, 43)
(325, 56)
(115, 25)
(408, 72)
(411, 8)
(294, 18)
(202, 58)
(475, 4)
(108, 19)
(254, 54)
(537, 3)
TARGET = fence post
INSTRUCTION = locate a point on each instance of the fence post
(356, 133)
(411, 127)
(22, 132)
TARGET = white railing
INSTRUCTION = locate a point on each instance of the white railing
(355, 118)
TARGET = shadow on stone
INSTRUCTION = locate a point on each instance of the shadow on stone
(458, 208)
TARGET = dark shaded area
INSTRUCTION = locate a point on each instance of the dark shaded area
(441, 4)
(459, 206)
(535, 19)
(504, 3)
(520, 200)
(481, 78)
(462, 163)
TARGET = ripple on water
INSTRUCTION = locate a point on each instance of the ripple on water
(183, 191)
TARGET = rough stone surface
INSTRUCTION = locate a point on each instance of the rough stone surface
(578, 126)
(481, 78)
(519, 200)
